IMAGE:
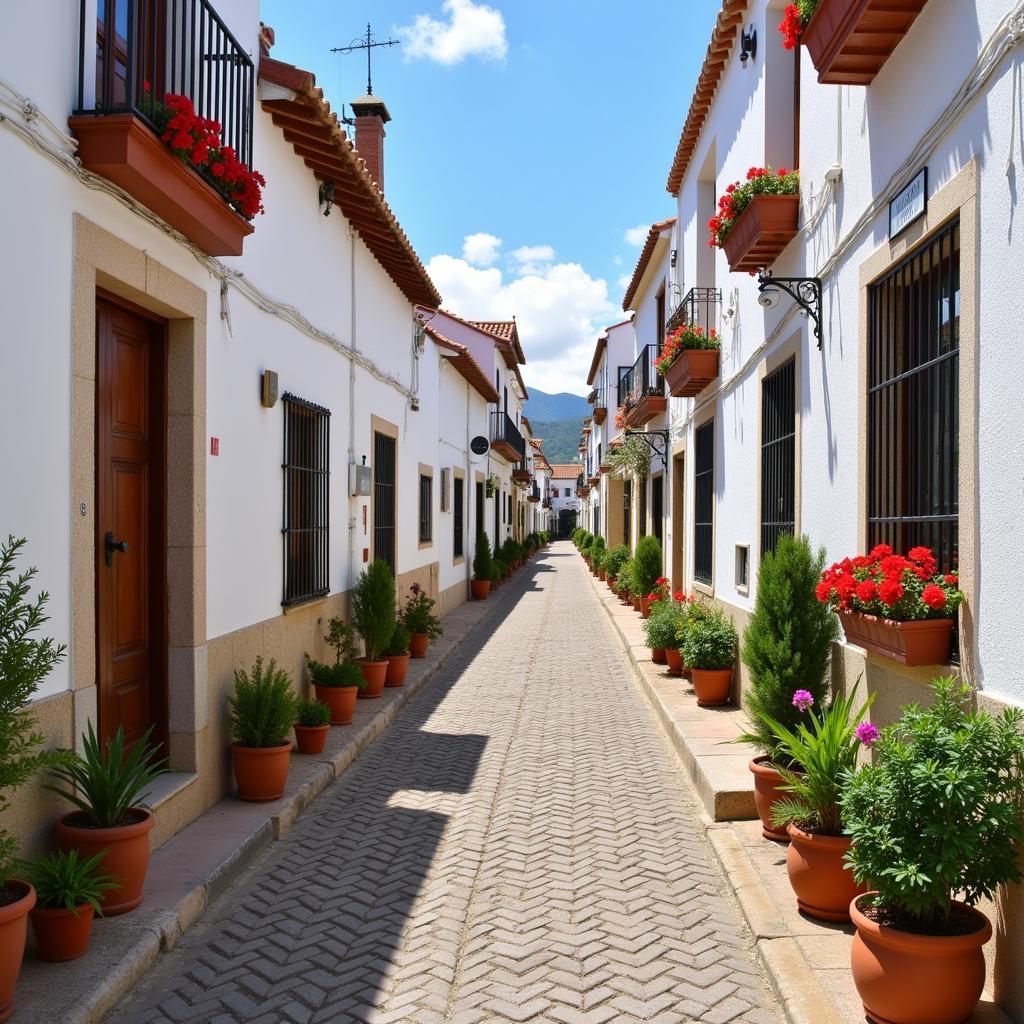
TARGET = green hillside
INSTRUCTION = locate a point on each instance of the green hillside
(561, 438)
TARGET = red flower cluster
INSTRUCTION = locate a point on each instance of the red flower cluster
(761, 181)
(196, 141)
(685, 337)
(662, 590)
(620, 418)
(791, 26)
(895, 587)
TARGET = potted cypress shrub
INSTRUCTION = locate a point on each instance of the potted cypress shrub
(107, 785)
(646, 571)
(68, 893)
(787, 647)
(481, 583)
(498, 570)
(263, 709)
(373, 615)
(418, 617)
(397, 652)
(709, 650)
(938, 813)
(825, 744)
(25, 661)
(312, 724)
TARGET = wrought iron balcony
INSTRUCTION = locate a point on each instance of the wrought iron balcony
(534, 493)
(506, 439)
(642, 390)
(700, 308)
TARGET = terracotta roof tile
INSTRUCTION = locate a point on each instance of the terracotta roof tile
(312, 128)
(565, 470)
(723, 38)
(645, 257)
(466, 365)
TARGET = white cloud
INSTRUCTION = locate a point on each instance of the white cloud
(623, 281)
(480, 249)
(637, 235)
(471, 30)
(617, 260)
(559, 307)
(532, 259)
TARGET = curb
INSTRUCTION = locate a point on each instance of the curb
(120, 964)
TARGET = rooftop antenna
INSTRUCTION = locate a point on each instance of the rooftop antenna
(369, 44)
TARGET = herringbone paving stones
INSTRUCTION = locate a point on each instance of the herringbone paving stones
(521, 845)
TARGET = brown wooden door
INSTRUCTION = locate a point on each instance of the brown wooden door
(130, 501)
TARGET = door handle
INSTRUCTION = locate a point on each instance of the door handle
(110, 546)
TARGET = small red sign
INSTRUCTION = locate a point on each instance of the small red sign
(215, 446)
(366, 554)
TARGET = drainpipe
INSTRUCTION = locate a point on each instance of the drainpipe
(468, 488)
(353, 519)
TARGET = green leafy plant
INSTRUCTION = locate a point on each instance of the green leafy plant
(647, 564)
(399, 642)
(312, 713)
(709, 642)
(825, 745)
(498, 568)
(64, 881)
(373, 607)
(342, 638)
(787, 645)
(107, 784)
(339, 675)
(263, 705)
(625, 576)
(661, 629)
(25, 661)
(417, 615)
(615, 559)
(632, 458)
(482, 558)
(939, 810)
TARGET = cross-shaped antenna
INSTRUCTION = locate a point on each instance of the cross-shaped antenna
(368, 44)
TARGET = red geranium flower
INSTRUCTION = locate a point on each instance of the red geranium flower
(890, 592)
(934, 596)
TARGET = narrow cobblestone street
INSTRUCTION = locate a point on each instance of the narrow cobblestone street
(520, 846)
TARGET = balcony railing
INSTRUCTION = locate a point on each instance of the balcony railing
(641, 380)
(506, 438)
(146, 48)
(699, 309)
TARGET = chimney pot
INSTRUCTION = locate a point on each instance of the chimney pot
(371, 115)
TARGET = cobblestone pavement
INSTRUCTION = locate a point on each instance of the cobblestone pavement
(521, 845)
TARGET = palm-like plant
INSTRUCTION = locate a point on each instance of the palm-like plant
(105, 785)
(65, 881)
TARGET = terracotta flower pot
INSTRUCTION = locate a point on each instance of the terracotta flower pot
(419, 642)
(903, 978)
(645, 607)
(374, 675)
(602, 575)
(61, 934)
(624, 596)
(481, 588)
(713, 686)
(766, 791)
(674, 658)
(13, 928)
(398, 666)
(691, 372)
(636, 604)
(125, 852)
(311, 739)
(260, 772)
(823, 884)
(340, 699)
(658, 656)
(926, 642)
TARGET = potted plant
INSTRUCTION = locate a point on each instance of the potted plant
(826, 750)
(263, 709)
(757, 218)
(709, 650)
(659, 593)
(337, 686)
(688, 610)
(397, 652)
(899, 607)
(25, 661)
(498, 571)
(107, 786)
(313, 722)
(373, 615)
(646, 570)
(661, 630)
(481, 583)
(68, 893)
(418, 617)
(938, 813)
(689, 360)
(625, 580)
(787, 647)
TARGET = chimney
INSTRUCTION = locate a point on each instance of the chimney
(371, 116)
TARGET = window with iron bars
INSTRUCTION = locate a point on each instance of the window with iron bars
(458, 510)
(778, 455)
(306, 500)
(426, 509)
(704, 503)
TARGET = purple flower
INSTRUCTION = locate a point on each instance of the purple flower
(803, 699)
(867, 733)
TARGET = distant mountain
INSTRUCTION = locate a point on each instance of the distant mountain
(561, 438)
(563, 406)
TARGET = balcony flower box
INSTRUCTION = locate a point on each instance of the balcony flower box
(121, 148)
(533, 497)
(594, 480)
(689, 360)
(849, 41)
(757, 218)
(521, 476)
(646, 409)
(899, 607)
(600, 414)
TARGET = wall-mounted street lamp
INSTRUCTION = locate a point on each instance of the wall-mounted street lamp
(748, 45)
(327, 196)
(804, 291)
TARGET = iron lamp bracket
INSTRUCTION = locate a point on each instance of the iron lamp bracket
(656, 440)
(804, 291)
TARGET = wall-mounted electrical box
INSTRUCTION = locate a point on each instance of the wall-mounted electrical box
(446, 487)
(268, 389)
(360, 480)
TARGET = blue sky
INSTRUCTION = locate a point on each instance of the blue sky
(546, 124)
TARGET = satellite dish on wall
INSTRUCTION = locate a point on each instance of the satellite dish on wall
(479, 445)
